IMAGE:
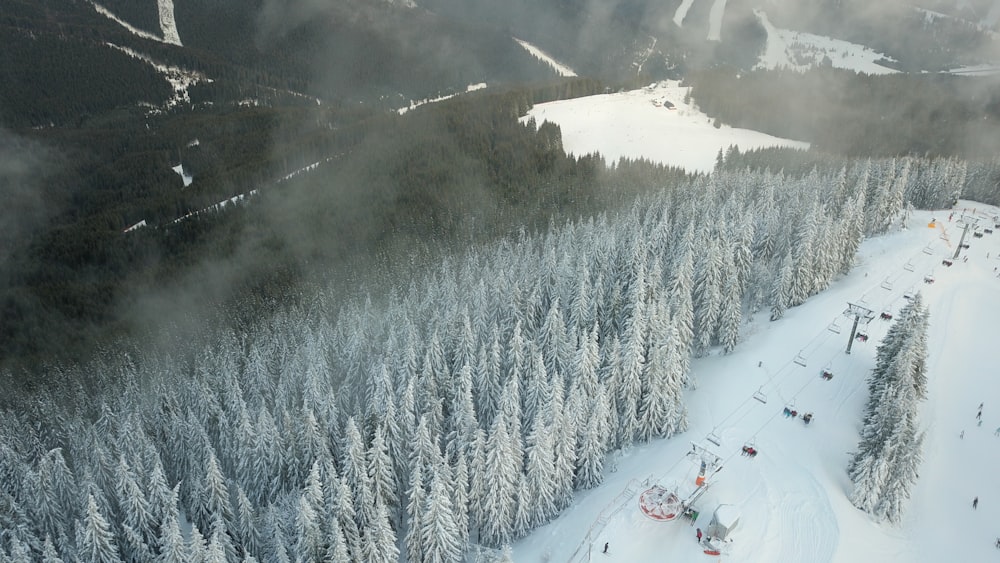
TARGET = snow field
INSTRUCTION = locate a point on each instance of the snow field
(801, 51)
(629, 125)
(793, 497)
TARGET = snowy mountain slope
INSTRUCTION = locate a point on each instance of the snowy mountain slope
(800, 51)
(638, 124)
(793, 495)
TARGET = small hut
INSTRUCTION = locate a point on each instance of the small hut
(724, 521)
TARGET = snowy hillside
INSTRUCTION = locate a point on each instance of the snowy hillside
(642, 124)
(793, 495)
(800, 51)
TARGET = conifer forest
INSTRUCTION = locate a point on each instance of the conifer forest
(463, 410)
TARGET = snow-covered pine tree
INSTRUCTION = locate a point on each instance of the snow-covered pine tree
(96, 540)
(885, 466)
(440, 534)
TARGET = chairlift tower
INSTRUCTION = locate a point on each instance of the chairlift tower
(859, 313)
(969, 220)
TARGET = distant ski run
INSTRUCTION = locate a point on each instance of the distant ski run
(167, 23)
(681, 12)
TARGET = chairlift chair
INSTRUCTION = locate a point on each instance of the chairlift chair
(759, 395)
(799, 359)
(714, 438)
(886, 284)
(927, 250)
(834, 327)
(909, 266)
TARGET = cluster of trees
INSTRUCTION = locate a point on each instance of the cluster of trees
(859, 115)
(463, 410)
(886, 464)
(441, 172)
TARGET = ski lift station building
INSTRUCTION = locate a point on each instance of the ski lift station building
(724, 520)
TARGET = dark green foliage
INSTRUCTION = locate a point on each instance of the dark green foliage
(854, 114)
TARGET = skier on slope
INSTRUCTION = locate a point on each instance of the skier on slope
(975, 503)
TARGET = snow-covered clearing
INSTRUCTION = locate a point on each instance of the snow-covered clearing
(793, 496)
(629, 124)
(558, 67)
(185, 177)
(801, 51)
(417, 103)
(167, 24)
(179, 78)
(715, 20)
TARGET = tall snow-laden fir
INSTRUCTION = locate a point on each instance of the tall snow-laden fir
(329, 435)
(885, 466)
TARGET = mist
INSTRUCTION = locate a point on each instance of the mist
(24, 167)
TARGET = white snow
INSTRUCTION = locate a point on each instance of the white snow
(682, 11)
(185, 177)
(628, 124)
(801, 51)
(792, 497)
(167, 24)
(131, 28)
(179, 78)
(715, 20)
(558, 67)
(417, 103)
(135, 227)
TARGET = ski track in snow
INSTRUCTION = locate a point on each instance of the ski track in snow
(682, 11)
(131, 28)
(630, 124)
(558, 67)
(715, 20)
(167, 24)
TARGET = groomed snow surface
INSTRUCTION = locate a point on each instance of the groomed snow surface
(638, 124)
(793, 496)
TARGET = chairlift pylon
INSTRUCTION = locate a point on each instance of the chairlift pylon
(759, 395)
(799, 359)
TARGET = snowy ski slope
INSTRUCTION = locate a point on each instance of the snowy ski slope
(793, 495)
